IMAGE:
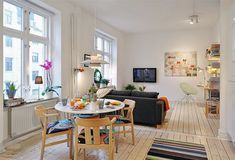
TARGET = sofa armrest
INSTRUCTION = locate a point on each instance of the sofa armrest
(160, 108)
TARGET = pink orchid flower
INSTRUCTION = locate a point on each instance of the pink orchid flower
(47, 65)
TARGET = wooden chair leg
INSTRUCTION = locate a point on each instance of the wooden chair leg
(43, 146)
(75, 152)
(206, 110)
(68, 137)
(70, 145)
(133, 134)
(84, 153)
(124, 130)
(110, 153)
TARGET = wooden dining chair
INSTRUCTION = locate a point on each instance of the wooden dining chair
(55, 128)
(126, 119)
(93, 136)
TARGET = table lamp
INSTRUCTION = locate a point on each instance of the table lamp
(38, 80)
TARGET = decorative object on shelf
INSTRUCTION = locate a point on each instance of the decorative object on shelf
(104, 83)
(94, 61)
(181, 64)
(86, 57)
(50, 89)
(38, 80)
(97, 76)
(10, 89)
(194, 18)
(130, 87)
(142, 88)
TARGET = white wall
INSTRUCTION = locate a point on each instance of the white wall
(147, 50)
(1, 79)
(227, 89)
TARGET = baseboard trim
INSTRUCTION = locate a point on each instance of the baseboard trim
(224, 135)
(2, 148)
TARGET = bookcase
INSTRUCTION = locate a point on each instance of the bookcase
(212, 86)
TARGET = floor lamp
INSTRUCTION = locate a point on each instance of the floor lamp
(38, 80)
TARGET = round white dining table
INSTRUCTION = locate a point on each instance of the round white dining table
(91, 108)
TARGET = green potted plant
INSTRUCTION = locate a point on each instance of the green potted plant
(104, 83)
(130, 87)
(10, 89)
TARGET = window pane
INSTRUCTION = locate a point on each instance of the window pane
(107, 46)
(12, 62)
(37, 24)
(13, 16)
(37, 54)
(99, 44)
(107, 68)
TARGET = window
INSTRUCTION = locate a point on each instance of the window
(35, 92)
(13, 17)
(8, 64)
(103, 45)
(35, 57)
(8, 41)
(22, 64)
(8, 17)
(34, 74)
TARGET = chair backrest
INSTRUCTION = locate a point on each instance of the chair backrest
(188, 89)
(40, 112)
(92, 130)
(131, 106)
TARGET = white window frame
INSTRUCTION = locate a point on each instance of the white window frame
(26, 37)
(103, 53)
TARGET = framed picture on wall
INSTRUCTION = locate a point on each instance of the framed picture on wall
(182, 64)
(87, 57)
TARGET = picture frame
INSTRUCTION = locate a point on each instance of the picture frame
(86, 57)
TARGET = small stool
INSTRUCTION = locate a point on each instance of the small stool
(212, 107)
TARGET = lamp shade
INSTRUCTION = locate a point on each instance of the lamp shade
(38, 80)
(94, 60)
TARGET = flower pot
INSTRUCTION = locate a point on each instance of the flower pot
(10, 94)
(49, 95)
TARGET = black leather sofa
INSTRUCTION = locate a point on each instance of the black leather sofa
(148, 110)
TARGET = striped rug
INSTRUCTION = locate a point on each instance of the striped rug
(163, 149)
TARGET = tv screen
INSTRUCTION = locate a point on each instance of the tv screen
(144, 75)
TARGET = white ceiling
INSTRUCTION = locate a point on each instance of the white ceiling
(135, 16)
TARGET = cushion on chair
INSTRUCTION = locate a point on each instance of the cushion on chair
(58, 126)
(104, 136)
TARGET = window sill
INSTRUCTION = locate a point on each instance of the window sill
(32, 101)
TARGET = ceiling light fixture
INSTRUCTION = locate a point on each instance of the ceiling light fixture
(193, 19)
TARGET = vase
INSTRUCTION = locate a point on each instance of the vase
(49, 95)
(11, 94)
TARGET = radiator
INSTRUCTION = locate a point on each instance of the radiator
(22, 119)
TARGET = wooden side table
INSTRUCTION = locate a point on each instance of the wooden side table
(212, 107)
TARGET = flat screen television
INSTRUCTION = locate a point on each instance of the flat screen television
(148, 75)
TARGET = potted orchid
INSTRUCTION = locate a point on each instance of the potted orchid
(49, 88)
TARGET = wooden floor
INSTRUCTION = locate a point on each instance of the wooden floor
(184, 122)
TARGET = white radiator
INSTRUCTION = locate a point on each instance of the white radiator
(23, 118)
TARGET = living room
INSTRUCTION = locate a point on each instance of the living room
(130, 35)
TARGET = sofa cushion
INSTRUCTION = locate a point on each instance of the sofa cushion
(120, 93)
(144, 94)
